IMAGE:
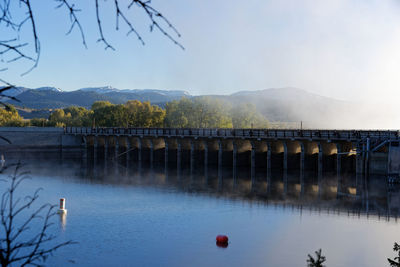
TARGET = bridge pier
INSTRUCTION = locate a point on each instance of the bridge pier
(234, 161)
(179, 154)
(220, 151)
(269, 161)
(85, 142)
(95, 148)
(320, 157)
(285, 156)
(205, 143)
(106, 147)
(166, 148)
(339, 159)
(128, 150)
(151, 143)
(116, 149)
(359, 159)
(253, 160)
(302, 158)
(139, 144)
(192, 152)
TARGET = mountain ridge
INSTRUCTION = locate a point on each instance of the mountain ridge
(287, 104)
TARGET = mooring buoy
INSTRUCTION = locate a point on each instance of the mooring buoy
(62, 209)
(222, 241)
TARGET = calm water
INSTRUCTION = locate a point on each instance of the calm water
(141, 216)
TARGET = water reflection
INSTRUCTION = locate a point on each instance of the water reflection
(63, 220)
(326, 193)
(323, 193)
(127, 211)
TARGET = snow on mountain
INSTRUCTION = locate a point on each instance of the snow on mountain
(110, 89)
(48, 88)
(100, 90)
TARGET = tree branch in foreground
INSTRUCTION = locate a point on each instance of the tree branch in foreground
(21, 243)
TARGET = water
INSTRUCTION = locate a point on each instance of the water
(141, 216)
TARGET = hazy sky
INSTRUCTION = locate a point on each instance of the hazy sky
(348, 49)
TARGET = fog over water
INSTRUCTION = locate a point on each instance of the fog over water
(152, 216)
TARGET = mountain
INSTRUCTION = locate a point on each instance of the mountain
(290, 105)
(51, 97)
(100, 90)
(295, 105)
(48, 89)
(19, 90)
(14, 91)
(109, 89)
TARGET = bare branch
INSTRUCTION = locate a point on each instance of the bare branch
(14, 49)
(73, 17)
(102, 39)
(31, 251)
(131, 28)
(152, 13)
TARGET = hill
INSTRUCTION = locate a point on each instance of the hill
(294, 105)
(289, 105)
(51, 98)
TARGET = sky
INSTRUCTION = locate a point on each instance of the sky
(346, 49)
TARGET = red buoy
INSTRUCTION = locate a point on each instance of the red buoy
(222, 240)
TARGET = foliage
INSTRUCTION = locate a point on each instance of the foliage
(39, 122)
(71, 116)
(10, 117)
(317, 262)
(395, 262)
(200, 112)
(19, 244)
(133, 113)
(207, 112)
(111, 116)
(143, 114)
(100, 104)
(247, 116)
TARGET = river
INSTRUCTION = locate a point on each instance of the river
(140, 215)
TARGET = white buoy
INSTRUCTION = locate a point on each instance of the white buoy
(62, 209)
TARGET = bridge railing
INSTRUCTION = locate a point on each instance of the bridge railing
(238, 133)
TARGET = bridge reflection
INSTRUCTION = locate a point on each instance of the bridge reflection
(326, 193)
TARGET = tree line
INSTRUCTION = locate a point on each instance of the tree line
(199, 112)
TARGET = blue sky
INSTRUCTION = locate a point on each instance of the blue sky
(348, 49)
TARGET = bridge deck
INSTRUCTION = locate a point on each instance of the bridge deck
(291, 134)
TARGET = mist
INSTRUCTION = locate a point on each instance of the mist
(343, 49)
(346, 50)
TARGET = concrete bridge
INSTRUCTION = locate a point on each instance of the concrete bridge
(350, 151)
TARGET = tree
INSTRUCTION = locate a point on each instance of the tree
(100, 104)
(10, 117)
(175, 114)
(78, 116)
(71, 116)
(19, 245)
(111, 116)
(15, 16)
(247, 116)
(396, 260)
(317, 262)
(57, 116)
(143, 114)
(40, 122)
(201, 112)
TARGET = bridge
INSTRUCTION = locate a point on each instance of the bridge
(353, 151)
